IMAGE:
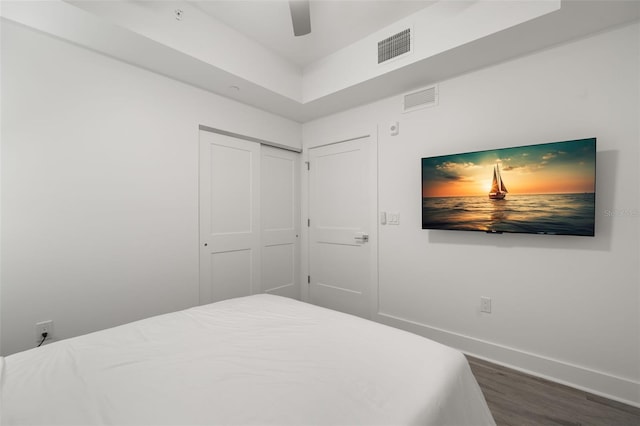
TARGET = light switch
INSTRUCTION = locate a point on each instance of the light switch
(393, 218)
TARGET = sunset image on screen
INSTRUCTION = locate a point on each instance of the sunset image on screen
(557, 169)
(545, 189)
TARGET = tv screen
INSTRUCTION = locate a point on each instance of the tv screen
(540, 189)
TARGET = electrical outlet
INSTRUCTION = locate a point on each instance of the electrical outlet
(485, 304)
(44, 327)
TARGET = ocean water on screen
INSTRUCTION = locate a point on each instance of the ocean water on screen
(566, 214)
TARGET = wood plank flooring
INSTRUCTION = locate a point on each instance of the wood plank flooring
(515, 398)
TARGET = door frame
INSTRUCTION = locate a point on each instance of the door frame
(372, 134)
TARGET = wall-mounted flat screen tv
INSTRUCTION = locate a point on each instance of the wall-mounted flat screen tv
(540, 189)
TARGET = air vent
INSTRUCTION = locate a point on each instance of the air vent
(421, 99)
(394, 46)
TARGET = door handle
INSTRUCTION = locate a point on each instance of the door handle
(361, 238)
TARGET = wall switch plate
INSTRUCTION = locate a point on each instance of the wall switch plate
(383, 218)
(485, 304)
(44, 327)
(393, 218)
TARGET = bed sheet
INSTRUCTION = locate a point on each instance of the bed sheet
(262, 359)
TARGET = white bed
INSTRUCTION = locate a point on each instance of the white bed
(260, 359)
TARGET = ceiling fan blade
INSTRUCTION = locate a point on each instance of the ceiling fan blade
(300, 17)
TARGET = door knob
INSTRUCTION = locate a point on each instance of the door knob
(362, 238)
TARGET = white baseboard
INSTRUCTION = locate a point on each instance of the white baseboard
(592, 381)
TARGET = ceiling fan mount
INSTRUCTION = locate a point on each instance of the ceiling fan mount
(300, 17)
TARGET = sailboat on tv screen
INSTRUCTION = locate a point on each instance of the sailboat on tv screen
(498, 190)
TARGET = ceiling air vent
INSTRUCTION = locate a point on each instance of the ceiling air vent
(421, 99)
(394, 46)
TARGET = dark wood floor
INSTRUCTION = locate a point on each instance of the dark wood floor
(520, 399)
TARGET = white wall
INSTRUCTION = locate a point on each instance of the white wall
(563, 307)
(100, 186)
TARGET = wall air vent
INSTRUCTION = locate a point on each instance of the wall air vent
(394, 46)
(421, 99)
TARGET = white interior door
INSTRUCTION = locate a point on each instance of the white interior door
(342, 203)
(280, 213)
(230, 260)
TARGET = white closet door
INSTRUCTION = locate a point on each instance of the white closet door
(280, 222)
(230, 252)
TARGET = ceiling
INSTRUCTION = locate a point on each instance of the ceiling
(334, 24)
(245, 49)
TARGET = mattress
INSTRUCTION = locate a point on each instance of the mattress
(256, 360)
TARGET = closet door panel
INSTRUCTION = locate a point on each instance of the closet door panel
(280, 212)
(229, 217)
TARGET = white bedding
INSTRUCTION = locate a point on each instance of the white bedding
(255, 360)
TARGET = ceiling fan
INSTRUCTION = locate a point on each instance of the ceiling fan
(300, 17)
